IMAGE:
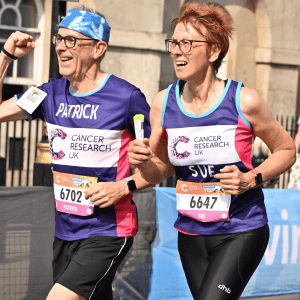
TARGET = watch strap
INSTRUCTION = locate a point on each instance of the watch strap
(131, 185)
(258, 178)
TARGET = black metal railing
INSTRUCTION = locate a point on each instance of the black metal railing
(18, 150)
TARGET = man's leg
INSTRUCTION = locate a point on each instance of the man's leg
(85, 269)
(59, 292)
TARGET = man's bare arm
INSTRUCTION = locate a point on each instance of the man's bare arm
(18, 44)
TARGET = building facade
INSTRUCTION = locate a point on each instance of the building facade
(264, 52)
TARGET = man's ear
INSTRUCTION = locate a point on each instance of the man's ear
(100, 48)
(214, 53)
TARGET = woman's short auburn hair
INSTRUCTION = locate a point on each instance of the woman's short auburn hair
(217, 21)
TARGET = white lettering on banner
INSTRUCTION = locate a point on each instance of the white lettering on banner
(204, 171)
(285, 244)
(271, 250)
(295, 244)
(77, 111)
(270, 255)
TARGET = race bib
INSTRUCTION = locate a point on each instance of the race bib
(69, 193)
(204, 202)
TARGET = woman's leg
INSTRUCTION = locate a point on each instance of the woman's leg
(219, 267)
(194, 259)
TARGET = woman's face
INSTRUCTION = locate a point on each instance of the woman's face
(194, 64)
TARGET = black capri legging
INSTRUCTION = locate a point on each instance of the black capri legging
(219, 267)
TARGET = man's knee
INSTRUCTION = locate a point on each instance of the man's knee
(59, 292)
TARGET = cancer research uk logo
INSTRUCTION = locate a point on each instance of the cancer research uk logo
(174, 143)
(52, 135)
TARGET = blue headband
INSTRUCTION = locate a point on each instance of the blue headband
(87, 23)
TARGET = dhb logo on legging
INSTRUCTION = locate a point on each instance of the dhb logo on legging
(224, 288)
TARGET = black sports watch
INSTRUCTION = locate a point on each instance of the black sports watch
(131, 185)
(258, 178)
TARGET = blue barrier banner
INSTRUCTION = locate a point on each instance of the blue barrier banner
(278, 272)
(167, 279)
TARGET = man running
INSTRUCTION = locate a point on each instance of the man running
(89, 115)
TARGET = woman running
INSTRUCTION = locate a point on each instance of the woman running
(203, 127)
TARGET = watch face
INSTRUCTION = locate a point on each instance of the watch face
(258, 179)
(131, 185)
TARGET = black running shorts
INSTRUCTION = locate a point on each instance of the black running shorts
(88, 266)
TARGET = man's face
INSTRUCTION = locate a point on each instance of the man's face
(74, 63)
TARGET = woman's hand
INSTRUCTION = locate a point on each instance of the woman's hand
(139, 152)
(235, 182)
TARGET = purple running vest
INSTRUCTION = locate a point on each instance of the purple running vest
(88, 135)
(200, 145)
